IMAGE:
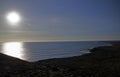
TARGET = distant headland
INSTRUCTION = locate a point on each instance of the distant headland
(101, 62)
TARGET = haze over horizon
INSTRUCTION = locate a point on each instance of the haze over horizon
(61, 20)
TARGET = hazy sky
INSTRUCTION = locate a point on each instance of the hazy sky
(45, 20)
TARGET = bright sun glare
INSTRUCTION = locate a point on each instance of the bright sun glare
(14, 49)
(13, 17)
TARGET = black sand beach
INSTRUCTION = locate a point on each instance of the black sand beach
(101, 62)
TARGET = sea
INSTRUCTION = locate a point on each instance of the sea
(35, 51)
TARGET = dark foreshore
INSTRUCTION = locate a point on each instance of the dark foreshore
(101, 62)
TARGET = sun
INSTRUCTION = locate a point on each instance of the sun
(13, 17)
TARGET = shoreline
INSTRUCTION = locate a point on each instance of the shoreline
(103, 61)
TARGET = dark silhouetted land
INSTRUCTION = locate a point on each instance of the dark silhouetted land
(101, 62)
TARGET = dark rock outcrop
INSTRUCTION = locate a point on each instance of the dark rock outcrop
(101, 62)
(10, 66)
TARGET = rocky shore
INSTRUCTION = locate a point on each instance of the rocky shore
(101, 62)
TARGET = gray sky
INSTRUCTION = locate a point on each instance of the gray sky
(61, 20)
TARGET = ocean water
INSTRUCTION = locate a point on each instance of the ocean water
(34, 51)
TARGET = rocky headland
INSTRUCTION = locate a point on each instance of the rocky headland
(101, 62)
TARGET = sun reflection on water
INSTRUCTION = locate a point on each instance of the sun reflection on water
(14, 49)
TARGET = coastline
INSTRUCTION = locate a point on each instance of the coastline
(103, 61)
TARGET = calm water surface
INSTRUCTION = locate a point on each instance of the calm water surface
(34, 51)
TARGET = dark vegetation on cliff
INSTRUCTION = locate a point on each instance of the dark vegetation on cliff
(101, 62)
